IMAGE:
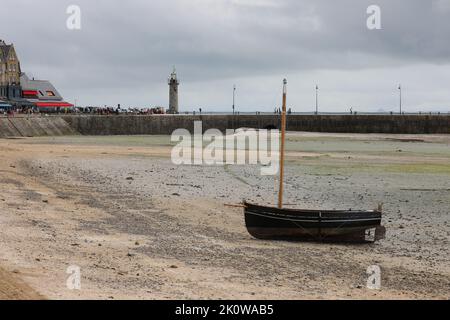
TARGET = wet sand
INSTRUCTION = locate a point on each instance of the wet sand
(140, 227)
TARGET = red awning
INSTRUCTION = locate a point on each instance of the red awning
(53, 105)
(30, 92)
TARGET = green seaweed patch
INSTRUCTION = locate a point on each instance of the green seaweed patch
(419, 168)
(117, 141)
(350, 168)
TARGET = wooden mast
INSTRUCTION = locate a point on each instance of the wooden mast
(282, 147)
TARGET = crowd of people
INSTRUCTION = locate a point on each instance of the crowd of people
(28, 110)
(110, 110)
(11, 111)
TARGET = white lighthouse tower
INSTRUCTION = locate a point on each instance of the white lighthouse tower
(173, 92)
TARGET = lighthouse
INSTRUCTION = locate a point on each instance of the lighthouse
(173, 92)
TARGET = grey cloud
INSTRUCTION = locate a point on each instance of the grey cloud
(129, 49)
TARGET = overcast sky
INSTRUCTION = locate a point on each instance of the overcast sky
(125, 52)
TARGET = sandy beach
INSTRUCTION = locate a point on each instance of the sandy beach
(140, 227)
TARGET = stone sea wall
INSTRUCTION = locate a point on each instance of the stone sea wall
(23, 126)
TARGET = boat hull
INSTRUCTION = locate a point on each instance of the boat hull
(313, 225)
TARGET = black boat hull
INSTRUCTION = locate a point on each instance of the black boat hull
(313, 225)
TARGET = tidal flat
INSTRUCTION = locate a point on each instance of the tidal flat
(139, 226)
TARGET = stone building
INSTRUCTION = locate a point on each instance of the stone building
(9, 72)
(173, 92)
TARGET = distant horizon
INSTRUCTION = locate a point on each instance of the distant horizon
(295, 110)
(320, 112)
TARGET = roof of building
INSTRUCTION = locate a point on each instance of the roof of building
(4, 49)
(43, 87)
(41, 93)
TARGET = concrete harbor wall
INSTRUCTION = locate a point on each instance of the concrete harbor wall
(23, 126)
(34, 127)
(166, 124)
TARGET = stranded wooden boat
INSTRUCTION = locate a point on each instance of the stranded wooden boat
(313, 225)
(316, 225)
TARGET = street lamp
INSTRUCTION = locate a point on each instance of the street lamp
(317, 99)
(400, 92)
(234, 97)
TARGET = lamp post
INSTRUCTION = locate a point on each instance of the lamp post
(400, 92)
(317, 99)
(234, 97)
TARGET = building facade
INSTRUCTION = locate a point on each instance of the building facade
(9, 72)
